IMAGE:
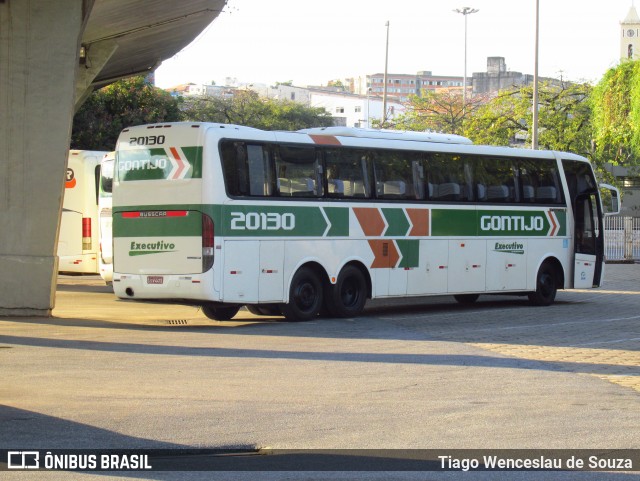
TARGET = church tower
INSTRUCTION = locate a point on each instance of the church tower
(630, 35)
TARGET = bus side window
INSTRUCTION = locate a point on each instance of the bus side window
(299, 171)
(234, 167)
(246, 169)
(495, 178)
(446, 178)
(539, 181)
(394, 174)
(260, 178)
(347, 173)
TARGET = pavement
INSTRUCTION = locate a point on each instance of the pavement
(425, 373)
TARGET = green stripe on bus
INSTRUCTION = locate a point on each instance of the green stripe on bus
(272, 221)
(410, 251)
(498, 223)
(175, 163)
(339, 219)
(397, 221)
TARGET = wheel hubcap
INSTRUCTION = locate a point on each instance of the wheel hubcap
(349, 293)
(305, 296)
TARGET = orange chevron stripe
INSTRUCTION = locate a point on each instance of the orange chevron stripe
(325, 139)
(555, 228)
(420, 220)
(370, 220)
(385, 254)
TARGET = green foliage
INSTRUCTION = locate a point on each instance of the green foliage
(616, 114)
(506, 119)
(125, 103)
(498, 120)
(247, 108)
(435, 111)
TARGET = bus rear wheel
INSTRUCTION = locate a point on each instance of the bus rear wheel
(220, 312)
(305, 296)
(546, 287)
(347, 297)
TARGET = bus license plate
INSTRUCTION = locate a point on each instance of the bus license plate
(155, 279)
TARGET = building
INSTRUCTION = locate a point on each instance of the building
(498, 77)
(348, 109)
(353, 110)
(630, 35)
(401, 86)
(191, 89)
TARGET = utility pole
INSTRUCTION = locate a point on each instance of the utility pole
(465, 11)
(534, 134)
(384, 94)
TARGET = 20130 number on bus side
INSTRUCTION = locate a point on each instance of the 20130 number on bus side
(262, 221)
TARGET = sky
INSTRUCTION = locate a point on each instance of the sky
(311, 43)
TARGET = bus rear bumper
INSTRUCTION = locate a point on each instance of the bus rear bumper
(196, 287)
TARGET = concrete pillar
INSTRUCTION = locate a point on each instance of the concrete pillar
(96, 58)
(39, 43)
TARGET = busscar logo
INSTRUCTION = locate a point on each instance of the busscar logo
(23, 460)
(511, 248)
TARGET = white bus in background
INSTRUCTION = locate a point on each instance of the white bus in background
(78, 237)
(320, 220)
(105, 259)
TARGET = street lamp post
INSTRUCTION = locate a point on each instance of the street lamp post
(534, 127)
(465, 11)
(368, 109)
(384, 91)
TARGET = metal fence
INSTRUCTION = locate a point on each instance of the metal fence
(621, 238)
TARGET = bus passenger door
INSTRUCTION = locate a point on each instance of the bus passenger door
(588, 242)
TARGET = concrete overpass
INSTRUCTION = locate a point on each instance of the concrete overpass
(52, 55)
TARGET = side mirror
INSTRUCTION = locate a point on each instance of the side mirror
(610, 196)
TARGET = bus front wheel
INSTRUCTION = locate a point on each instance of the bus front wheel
(220, 313)
(546, 287)
(346, 298)
(305, 296)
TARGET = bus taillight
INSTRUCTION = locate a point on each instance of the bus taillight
(86, 233)
(207, 242)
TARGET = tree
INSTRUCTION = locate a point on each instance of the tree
(616, 115)
(436, 111)
(133, 101)
(564, 118)
(247, 108)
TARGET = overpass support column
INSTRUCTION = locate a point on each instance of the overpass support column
(39, 43)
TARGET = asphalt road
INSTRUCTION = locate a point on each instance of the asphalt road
(500, 374)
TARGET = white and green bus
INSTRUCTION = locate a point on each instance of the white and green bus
(320, 220)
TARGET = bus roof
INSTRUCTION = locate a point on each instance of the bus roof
(362, 138)
(388, 134)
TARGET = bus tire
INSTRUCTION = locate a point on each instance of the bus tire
(347, 297)
(305, 296)
(546, 287)
(220, 312)
(264, 309)
(466, 299)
